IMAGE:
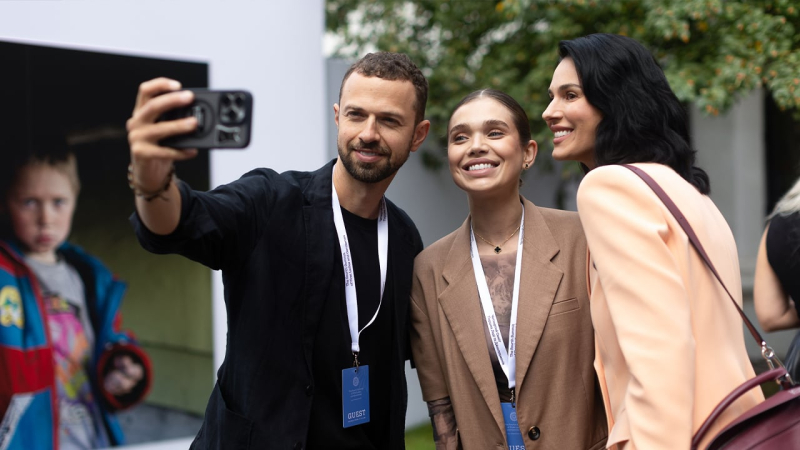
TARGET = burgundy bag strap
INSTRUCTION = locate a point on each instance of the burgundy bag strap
(699, 247)
(776, 373)
(770, 375)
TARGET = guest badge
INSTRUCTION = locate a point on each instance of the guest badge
(513, 435)
(355, 396)
(355, 381)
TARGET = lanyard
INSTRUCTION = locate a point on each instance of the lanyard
(507, 359)
(347, 263)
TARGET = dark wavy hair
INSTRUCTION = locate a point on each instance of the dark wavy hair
(643, 121)
(517, 112)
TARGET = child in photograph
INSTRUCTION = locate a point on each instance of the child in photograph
(65, 367)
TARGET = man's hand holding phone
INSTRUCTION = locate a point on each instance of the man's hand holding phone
(169, 124)
(152, 162)
(152, 168)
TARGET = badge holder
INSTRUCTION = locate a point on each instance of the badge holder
(355, 394)
(513, 434)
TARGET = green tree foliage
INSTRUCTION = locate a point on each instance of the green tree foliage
(712, 51)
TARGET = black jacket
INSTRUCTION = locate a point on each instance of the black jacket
(273, 237)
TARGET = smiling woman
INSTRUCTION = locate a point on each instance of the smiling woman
(651, 292)
(487, 156)
(571, 117)
(481, 330)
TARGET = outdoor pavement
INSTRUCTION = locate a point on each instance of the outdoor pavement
(147, 423)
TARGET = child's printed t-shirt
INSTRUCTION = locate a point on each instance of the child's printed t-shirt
(80, 422)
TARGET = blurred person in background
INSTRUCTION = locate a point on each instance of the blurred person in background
(776, 288)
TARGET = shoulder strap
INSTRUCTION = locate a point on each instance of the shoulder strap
(766, 350)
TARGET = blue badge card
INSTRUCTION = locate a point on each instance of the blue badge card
(355, 396)
(513, 434)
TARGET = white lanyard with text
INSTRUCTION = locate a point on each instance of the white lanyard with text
(347, 263)
(507, 359)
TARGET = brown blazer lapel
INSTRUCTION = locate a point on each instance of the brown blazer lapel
(538, 286)
(461, 306)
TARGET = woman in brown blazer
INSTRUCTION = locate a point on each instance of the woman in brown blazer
(517, 270)
(670, 344)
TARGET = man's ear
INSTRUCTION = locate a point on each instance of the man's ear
(336, 113)
(420, 133)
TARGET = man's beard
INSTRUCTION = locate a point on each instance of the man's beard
(369, 172)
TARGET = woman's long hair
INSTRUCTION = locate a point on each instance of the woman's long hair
(789, 203)
(643, 121)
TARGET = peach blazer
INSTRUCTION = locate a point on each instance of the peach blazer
(556, 383)
(670, 345)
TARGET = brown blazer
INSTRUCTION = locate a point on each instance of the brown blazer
(556, 383)
(670, 343)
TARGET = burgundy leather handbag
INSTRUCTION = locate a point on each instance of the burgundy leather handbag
(772, 424)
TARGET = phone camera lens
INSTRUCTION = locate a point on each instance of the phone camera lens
(232, 108)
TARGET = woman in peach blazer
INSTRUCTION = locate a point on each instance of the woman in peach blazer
(670, 344)
(554, 397)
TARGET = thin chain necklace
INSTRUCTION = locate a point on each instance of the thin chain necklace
(497, 248)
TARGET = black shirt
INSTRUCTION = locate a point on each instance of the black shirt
(783, 253)
(272, 235)
(332, 347)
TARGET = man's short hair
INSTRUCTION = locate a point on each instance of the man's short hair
(392, 66)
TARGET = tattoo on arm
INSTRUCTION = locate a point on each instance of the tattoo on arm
(443, 420)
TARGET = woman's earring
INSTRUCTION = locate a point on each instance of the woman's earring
(526, 165)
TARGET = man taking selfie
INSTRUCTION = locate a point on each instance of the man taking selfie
(316, 267)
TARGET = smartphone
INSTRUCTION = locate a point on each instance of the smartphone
(224, 120)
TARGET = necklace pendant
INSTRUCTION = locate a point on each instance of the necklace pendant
(497, 250)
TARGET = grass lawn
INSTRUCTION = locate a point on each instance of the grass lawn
(420, 438)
